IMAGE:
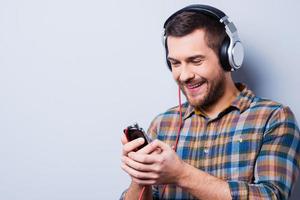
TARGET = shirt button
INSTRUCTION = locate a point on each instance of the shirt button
(206, 150)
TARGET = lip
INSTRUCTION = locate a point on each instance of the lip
(194, 89)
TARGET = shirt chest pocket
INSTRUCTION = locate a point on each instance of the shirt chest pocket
(236, 156)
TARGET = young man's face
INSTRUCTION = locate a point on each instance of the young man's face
(196, 69)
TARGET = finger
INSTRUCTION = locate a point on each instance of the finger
(163, 146)
(124, 139)
(151, 147)
(154, 146)
(138, 174)
(157, 151)
(132, 145)
(136, 165)
(144, 158)
(148, 149)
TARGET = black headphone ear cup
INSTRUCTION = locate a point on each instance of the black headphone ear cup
(169, 65)
(167, 53)
(224, 59)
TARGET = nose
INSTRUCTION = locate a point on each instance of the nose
(186, 73)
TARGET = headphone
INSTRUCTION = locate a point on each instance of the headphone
(231, 53)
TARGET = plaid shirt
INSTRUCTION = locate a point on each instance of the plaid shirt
(253, 145)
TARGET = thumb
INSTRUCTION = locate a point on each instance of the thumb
(124, 139)
(162, 145)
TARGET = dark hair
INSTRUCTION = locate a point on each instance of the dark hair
(186, 22)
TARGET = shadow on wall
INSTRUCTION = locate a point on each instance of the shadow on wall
(249, 73)
(254, 79)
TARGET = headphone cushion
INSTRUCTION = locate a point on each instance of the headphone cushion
(169, 65)
(223, 54)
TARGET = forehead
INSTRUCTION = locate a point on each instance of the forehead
(185, 46)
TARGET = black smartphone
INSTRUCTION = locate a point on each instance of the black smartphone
(134, 132)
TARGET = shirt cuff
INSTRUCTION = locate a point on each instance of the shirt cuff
(123, 195)
(238, 190)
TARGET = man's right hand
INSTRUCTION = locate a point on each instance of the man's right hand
(135, 189)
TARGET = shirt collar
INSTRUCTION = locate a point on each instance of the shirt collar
(244, 99)
(241, 102)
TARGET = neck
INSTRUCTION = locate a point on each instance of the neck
(229, 95)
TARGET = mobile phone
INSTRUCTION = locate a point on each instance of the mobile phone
(133, 132)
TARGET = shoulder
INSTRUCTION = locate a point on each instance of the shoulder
(259, 102)
(276, 114)
(269, 107)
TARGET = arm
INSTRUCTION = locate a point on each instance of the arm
(202, 185)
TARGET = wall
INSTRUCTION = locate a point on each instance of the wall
(73, 74)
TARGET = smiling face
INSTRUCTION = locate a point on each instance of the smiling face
(196, 69)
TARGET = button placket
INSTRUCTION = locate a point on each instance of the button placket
(207, 138)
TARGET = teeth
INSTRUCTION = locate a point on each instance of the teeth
(194, 86)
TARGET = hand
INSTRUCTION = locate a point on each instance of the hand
(148, 166)
(135, 189)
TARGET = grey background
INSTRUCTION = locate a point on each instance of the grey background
(74, 73)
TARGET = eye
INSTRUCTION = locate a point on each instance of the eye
(174, 63)
(197, 61)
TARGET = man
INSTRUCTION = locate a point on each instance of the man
(231, 143)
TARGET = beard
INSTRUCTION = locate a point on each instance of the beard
(214, 90)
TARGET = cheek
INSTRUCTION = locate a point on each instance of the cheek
(213, 74)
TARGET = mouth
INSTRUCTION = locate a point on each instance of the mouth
(195, 88)
(195, 85)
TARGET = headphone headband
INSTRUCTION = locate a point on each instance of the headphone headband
(198, 8)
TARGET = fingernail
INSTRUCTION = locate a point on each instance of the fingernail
(141, 140)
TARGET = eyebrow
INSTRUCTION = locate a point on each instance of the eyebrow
(189, 59)
(195, 57)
